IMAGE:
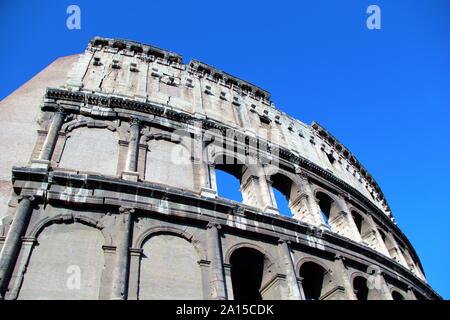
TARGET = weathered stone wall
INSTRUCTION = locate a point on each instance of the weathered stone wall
(118, 181)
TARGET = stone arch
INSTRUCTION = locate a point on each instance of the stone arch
(318, 280)
(239, 167)
(327, 204)
(252, 272)
(289, 187)
(66, 261)
(366, 228)
(87, 140)
(90, 123)
(396, 295)
(256, 247)
(359, 282)
(392, 247)
(169, 265)
(144, 236)
(67, 219)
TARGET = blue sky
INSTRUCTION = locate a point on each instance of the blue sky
(384, 93)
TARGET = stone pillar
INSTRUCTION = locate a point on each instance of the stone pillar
(381, 245)
(386, 293)
(135, 261)
(208, 187)
(352, 230)
(121, 265)
(266, 196)
(312, 214)
(342, 275)
(217, 277)
(410, 294)
(52, 135)
(133, 151)
(11, 247)
(229, 281)
(288, 267)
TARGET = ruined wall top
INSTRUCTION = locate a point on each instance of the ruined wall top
(148, 74)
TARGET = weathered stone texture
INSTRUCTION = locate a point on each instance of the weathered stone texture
(113, 174)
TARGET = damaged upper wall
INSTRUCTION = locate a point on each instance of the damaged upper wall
(150, 74)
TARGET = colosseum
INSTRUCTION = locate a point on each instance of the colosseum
(109, 191)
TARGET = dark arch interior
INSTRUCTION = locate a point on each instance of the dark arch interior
(313, 280)
(247, 268)
(325, 203)
(361, 289)
(358, 220)
(397, 296)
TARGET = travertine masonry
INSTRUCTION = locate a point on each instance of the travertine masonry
(109, 191)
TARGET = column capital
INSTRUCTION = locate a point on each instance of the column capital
(283, 240)
(126, 210)
(136, 251)
(60, 110)
(340, 257)
(213, 225)
(134, 121)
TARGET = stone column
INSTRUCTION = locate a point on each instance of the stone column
(342, 275)
(410, 294)
(229, 281)
(217, 277)
(353, 232)
(52, 135)
(11, 247)
(135, 260)
(133, 146)
(208, 187)
(381, 244)
(314, 215)
(121, 265)
(288, 267)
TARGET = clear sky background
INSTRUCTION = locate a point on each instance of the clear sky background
(385, 93)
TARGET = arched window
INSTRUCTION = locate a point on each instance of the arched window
(394, 253)
(316, 281)
(397, 295)
(250, 269)
(284, 191)
(325, 204)
(228, 181)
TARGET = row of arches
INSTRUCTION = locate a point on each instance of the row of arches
(71, 259)
(279, 190)
(360, 226)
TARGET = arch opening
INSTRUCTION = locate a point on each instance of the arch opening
(249, 271)
(397, 296)
(229, 180)
(316, 281)
(325, 203)
(360, 288)
(284, 193)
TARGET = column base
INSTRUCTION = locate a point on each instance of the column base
(208, 193)
(271, 210)
(130, 176)
(43, 164)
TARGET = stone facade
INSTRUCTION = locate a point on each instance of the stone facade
(111, 192)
